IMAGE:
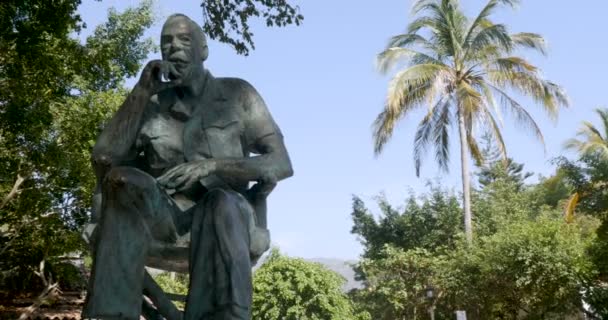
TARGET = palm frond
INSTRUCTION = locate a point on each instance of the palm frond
(468, 98)
(388, 58)
(411, 79)
(409, 39)
(603, 113)
(482, 56)
(433, 6)
(522, 116)
(429, 128)
(495, 35)
(582, 147)
(421, 140)
(529, 40)
(441, 136)
(457, 24)
(548, 94)
(570, 207)
(489, 99)
(421, 23)
(384, 125)
(513, 64)
(445, 21)
(590, 131)
(591, 141)
(483, 15)
(441, 86)
(470, 104)
(495, 132)
(573, 144)
(474, 150)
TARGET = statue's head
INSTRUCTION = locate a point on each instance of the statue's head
(184, 45)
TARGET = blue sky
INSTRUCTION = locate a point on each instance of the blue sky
(321, 86)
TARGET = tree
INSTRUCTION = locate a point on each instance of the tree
(291, 288)
(588, 177)
(55, 93)
(591, 145)
(397, 282)
(531, 269)
(494, 168)
(458, 70)
(527, 263)
(222, 18)
(430, 222)
(592, 140)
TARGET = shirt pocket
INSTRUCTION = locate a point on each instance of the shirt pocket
(224, 138)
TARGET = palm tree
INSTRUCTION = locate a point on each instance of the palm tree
(459, 67)
(592, 140)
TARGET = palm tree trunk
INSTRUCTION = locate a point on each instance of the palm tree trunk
(466, 182)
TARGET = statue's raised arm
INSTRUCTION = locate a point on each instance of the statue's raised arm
(115, 146)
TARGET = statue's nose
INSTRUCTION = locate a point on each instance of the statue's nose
(176, 45)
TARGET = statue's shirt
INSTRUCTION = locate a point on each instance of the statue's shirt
(226, 121)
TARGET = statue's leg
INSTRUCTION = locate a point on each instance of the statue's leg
(135, 212)
(220, 266)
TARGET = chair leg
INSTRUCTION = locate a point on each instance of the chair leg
(162, 303)
(149, 312)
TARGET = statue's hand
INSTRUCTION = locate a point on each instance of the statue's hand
(151, 76)
(185, 175)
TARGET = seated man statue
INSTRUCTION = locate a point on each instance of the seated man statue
(179, 156)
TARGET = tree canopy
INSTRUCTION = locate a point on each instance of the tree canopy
(228, 21)
(55, 94)
(527, 262)
(292, 288)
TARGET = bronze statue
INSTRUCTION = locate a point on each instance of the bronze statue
(178, 157)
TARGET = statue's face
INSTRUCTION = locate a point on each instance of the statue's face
(180, 47)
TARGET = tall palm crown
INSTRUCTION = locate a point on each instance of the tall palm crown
(591, 140)
(460, 68)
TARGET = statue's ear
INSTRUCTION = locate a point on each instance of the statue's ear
(205, 53)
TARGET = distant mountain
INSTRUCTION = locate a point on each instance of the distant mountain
(343, 268)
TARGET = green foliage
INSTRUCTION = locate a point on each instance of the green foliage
(55, 93)
(495, 168)
(431, 222)
(173, 283)
(115, 50)
(553, 190)
(588, 177)
(397, 282)
(70, 277)
(223, 18)
(537, 266)
(526, 263)
(502, 203)
(291, 288)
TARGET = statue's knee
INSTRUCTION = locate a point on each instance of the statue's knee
(116, 179)
(101, 160)
(124, 182)
(217, 201)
